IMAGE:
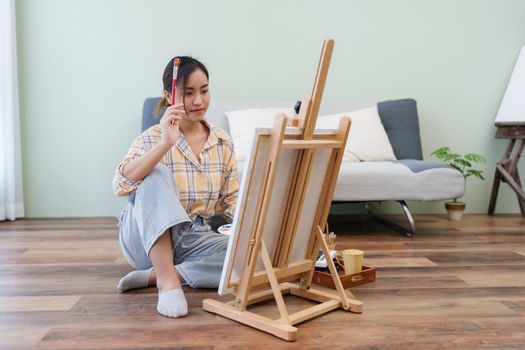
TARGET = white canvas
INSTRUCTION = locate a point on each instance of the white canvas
(512, 108)
(247, 200)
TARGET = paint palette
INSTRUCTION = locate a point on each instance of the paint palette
(225, 229)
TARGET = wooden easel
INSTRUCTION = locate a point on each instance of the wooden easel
(280, 270)
(507, 167)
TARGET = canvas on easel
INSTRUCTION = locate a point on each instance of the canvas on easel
(510, 124)
(283, 203)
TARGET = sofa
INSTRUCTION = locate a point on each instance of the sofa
(406, 178)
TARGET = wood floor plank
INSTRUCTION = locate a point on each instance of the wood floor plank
(120, 260)
(37, 303)
(516, 305)
(393, 261)
(501, 279)
(21, 337)
(70, 254)
(411, 282)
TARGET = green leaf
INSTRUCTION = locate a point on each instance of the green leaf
(476, 158)
(474, 172)
(463, 162)
(440, 151)
(450, 157)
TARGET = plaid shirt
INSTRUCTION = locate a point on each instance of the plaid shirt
(205, 188)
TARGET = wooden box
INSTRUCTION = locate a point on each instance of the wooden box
(367, 275)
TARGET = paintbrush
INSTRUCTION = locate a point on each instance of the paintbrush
(176, 63)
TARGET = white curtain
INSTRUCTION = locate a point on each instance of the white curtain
(11, 195)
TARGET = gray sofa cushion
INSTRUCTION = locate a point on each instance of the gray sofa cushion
(148, 116)
(417, 166)
(400, 120)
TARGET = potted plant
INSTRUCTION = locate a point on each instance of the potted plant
(464, 165)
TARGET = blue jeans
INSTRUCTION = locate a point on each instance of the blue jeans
(153, 208)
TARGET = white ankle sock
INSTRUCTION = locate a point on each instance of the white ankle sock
(172, 303)
(134, 279)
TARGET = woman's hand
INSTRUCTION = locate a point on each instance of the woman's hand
(139, 168)
(169, 123)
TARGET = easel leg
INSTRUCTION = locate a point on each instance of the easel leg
(510, 175)
(506, 170)
(355, 306)
(521, 200)
(513, 170)
(494, 194)
(274, 283)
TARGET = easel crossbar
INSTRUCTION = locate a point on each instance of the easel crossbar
(279, 329)
(282, 328)
(307, 144)
(320, 296)
(313, 311)
(292, 269)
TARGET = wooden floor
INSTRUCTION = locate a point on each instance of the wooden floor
(452, 286)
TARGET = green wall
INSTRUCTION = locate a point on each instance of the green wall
(86, 66)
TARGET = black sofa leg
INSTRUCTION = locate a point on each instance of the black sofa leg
(407, 231)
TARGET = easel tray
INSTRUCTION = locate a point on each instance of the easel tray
(367, 275)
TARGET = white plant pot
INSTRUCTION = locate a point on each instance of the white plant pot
(455, 210)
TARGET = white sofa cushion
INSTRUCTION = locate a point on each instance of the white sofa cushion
(387, 180)
(367, 141)
(243, 122)
(393, 180)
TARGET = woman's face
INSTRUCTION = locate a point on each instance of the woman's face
(196, 96)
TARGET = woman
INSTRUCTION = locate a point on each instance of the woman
(177, 174)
